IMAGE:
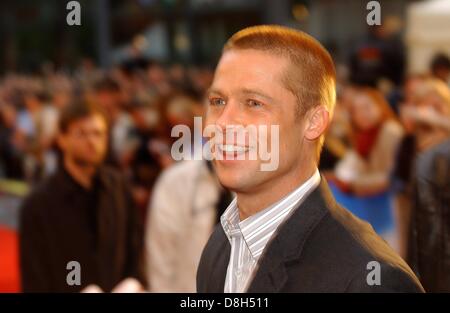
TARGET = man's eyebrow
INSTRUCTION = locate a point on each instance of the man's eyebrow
(246, 91)
(256, 92)
(213, 90)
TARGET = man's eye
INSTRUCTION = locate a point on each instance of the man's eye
(217, 101)
(253, 103)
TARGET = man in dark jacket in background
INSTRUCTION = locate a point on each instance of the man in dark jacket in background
(79, 227)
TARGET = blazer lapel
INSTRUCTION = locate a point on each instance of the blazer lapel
(287, 245)
(218, 272)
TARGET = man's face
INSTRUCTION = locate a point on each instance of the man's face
(248, 90)
(85, 141)
(365, 112)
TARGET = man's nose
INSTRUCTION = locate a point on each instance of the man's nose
(94, 136)
(230, 115)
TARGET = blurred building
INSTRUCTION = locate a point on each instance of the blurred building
(428, 33)
(188, 31)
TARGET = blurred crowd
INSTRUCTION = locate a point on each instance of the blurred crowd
(142, 100)
(388, 136)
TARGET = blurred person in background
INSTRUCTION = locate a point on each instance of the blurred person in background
(84, 213)
(423, 114)
(429, 247)
(423, 119)
(427, 116)
(187, 203)
(429, 244)
(361, 179)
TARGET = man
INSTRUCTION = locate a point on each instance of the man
(284, 232)
(82, 213)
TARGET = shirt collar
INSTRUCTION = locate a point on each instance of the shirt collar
(258, 229)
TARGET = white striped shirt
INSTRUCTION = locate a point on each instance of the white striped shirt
(249, 237)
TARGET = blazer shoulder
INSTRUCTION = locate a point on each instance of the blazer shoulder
(359, 250)
(40, 194)
(384, 278)
(39, 203)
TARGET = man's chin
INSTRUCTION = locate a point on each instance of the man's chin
(238, 176)
(235, 183)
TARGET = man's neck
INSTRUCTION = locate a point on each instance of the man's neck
(252, 202)
(81, 174)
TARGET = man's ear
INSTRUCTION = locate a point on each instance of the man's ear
(317, 122)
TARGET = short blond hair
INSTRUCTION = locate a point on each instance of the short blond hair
(312, 76)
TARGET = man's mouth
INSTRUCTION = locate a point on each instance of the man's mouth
(231, 151)
(232, 148)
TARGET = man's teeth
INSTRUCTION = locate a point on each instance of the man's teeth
(233, 148)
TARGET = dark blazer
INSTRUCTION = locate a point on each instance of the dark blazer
(321, 247)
